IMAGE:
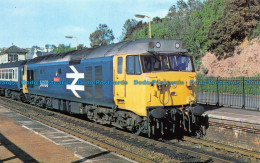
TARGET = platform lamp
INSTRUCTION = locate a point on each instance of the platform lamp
(70, 37)
(142, 16)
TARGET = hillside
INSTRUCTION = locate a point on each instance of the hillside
(245, 61)
(215, 33)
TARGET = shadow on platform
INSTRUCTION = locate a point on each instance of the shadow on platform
(91, 157)
(17, 152)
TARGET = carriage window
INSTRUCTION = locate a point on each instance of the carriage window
(15, 74)
(119, 65)
(2, 74)
(133, 65)
(10, 74)
(6, 74)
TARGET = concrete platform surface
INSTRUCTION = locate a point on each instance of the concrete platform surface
(25, 140)
(233, 114)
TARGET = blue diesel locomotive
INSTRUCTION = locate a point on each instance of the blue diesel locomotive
(143, 86)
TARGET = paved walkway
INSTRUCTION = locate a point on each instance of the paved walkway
(25, 140)
(240, 115)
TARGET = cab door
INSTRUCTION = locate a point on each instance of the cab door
(119, 79)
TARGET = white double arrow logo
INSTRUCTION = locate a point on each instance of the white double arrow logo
(76, 76)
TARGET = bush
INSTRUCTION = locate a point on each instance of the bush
(205, 70)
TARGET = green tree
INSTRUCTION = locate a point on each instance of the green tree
(63, 48)
(128, 28)
(210, 25)
(47, 46)
(238, 20)
(81, 46)
(101, 36)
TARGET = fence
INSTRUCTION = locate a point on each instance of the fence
(241, 92)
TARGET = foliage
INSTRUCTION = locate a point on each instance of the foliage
(236, 22)
(101, 36)
(81, 46)
(237, 89)
(128, 28)
(63, 48)
(256, 32)
(210, 25)
(205, 70)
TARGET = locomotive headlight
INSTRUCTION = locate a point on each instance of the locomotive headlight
(177, 45)
(195, 79)
(158, 45)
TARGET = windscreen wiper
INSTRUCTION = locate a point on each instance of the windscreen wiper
(155, 56)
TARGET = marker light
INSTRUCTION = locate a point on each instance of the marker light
(158, 45)
(177, 45)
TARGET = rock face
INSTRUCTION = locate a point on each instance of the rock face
(244, 62)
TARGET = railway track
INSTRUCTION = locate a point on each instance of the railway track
(138, 148)
(255, 155)
(233, 126)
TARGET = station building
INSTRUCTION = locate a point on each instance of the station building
(12, 54)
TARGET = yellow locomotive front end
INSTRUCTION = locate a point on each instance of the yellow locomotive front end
(158, 86)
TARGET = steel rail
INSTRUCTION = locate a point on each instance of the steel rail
(88, 139)
(236, 127)
(112, 148)
(223, 146)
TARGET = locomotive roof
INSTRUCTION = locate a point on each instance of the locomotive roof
(127, 47)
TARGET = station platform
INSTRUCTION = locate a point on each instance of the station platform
(234, 126)
(233, 114)
(25, 140)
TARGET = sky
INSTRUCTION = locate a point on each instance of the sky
(39, 22)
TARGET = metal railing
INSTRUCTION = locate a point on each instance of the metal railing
(243, 92)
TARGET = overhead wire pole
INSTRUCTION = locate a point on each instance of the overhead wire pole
(150, 26)
(70, 37)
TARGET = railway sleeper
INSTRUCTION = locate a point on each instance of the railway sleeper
(173, 120)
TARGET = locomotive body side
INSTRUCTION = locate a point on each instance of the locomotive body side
(73, 82)
(143, 86)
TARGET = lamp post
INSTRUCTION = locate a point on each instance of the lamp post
(142, 16)
(70, 37)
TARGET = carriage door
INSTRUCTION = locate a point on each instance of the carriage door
(119, 76)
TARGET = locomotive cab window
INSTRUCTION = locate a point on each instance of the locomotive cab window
(133, 65)
(151, 63)
(119, 65)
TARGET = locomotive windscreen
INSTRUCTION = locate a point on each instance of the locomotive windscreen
(153, 63)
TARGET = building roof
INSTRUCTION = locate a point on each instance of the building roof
(29, 56)
(15, 49)
(13, 64)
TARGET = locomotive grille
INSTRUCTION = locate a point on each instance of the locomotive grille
(98, 87)
(88, 87)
